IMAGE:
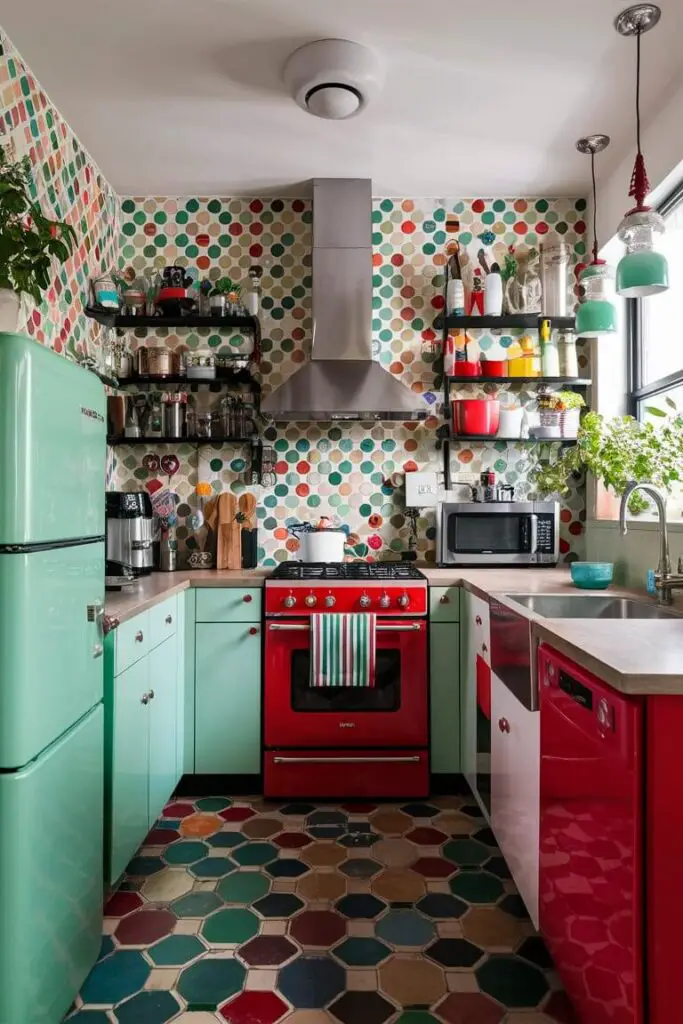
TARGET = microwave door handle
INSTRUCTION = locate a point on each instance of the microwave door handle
(533, 544)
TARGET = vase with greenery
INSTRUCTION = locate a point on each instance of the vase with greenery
(618, 450)
(29, 241)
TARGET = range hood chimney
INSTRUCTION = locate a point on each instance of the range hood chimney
(342, 381)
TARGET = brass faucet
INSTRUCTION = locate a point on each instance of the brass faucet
(665, 581)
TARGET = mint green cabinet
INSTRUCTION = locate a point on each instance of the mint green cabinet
(163, 725)
(228, 698)
(444, 681)
(126, 764)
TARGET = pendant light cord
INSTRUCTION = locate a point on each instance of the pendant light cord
(638, 89)
(595, 208)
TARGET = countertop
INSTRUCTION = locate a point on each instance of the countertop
(635, 656)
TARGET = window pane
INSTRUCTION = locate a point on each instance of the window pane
(662, 346)
(659, 402)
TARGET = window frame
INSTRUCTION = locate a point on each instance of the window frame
(639, 392)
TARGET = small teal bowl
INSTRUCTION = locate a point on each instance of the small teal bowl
(592, 575)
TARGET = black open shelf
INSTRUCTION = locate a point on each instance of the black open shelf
(512, 440)
(180, 440)
(112, 318)
(161, 382)
(579, 382)
(524, 321)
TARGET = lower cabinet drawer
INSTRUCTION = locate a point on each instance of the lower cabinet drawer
(228, 604)
(444, 604)
(366, 773)
(162, 621)
(132, 642)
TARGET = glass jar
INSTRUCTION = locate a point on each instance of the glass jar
(554, 262)
(569, 361)
(199, 367)
(203, 424)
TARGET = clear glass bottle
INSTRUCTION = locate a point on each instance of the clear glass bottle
(566, 348)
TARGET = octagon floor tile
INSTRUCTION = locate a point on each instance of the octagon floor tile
(261, 828)
(143, 866)
(196, 904)
(441, 906)
(311, 982)
(368, 1007)
(237, 814)
(396, 853)
(359, 952)
(326, 886)
(454, 823)
(212, 803)
(360, 905)
(412, 981)
(106, 947)
(144, 927)
(358, 839)
(427, 836)
(255, 854)
(492, 928)
(232, 926)
(535, 950)
(485, 835)
(469, 1008)
(185, 853)
(278, 904)
(178, 810)
(292, 840)
(200, 825)
(148, 1008)
(327, 818)
(466, 852)
(324, 855)
(420, 810)
(405, 928)
(399, 885)
(226, 840)
(254, 1008)
(287, 867)
(111, 980)
(210, 982)
(434, 867)
(476, 887)
(498, 866)
(169, 884)
(122, 903)
(318, 928)
(176, 950)
(161, 837)
(89, 1017)
(212, 867)
(268, 951)
(310, 1017)
(327, 831)
(243, 887)
(389, 823)
(359, 808)
(512, 982)
(513, 904)
(454, 953)
(360, 867)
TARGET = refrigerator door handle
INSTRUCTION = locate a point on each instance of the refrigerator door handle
(96, 614)
(98, 651)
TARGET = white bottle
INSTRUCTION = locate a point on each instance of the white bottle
(493, 292)
(455, 297)
(550, 357)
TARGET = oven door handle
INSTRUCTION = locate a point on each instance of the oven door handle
(301, 627)
(533, 542)
(345, 760)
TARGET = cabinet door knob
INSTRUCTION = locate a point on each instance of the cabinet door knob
(247, 598)
(253, 631)
(478, 620)
(139, 637)
(503, 725)
(444, 599)
(169, 620)
(151, 694)
(484, 648)
(144, 699)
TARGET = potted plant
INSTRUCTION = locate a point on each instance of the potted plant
(618, 450)
(29, 241)
(225, 296)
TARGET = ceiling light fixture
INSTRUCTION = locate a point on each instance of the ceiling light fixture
(596, 315)
(642, 270)
(333, 78)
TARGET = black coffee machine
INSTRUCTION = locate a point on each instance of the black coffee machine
(129, 534)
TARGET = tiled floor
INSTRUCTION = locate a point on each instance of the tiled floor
(252, 913)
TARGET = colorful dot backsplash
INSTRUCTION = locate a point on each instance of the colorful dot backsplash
(352, 471)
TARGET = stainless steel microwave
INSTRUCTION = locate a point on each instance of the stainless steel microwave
(498, 533)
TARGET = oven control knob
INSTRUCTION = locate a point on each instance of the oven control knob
(365, 601)
(330, 601)
(289, 601)
(384, 601)
(310, 600)
(403, 601)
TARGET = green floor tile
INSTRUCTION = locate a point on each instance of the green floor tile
(477, 887)
(512, 982)
(243, 887)
(230, 926)
(210, 981)
(176, 950)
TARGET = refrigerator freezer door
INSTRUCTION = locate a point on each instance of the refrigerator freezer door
(52, 446)
(51, 666)
(51, 875)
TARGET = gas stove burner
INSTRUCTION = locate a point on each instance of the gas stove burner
(331, 571)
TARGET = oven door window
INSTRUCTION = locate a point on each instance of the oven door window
(385, 695)
(488, 534)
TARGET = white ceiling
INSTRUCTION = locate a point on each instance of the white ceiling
(185, 96)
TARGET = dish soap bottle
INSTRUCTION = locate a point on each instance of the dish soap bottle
(550, 357)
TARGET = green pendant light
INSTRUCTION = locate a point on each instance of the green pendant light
(596, 315)
(642, 271)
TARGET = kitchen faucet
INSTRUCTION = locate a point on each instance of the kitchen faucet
(665, 580)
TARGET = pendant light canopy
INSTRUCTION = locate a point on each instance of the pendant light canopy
(596, 315)
(642, 270)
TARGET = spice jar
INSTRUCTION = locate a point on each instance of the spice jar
(566, 347)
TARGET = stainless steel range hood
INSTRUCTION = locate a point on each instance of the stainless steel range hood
(341, 380)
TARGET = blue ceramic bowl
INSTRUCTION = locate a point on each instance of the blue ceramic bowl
(592, 575)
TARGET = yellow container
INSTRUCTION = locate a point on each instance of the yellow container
(524, 366)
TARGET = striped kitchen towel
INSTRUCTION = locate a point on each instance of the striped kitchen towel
(342, 650)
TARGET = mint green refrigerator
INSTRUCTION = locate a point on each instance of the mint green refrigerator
(52, 469)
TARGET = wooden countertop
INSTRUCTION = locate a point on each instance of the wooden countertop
(635, 656)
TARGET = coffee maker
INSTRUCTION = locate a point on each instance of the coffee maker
(129, 534)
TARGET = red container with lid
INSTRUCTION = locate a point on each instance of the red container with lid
(476, 416)
(494, 367)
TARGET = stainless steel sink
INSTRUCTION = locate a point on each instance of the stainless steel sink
(585, 606)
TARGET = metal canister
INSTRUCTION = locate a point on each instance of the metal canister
(168, 554)
(554, 263)
(174, 418)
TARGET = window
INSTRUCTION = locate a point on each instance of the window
(654, 325)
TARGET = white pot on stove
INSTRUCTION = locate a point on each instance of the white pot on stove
(322, 546)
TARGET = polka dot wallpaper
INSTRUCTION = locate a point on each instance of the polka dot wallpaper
(352, 471)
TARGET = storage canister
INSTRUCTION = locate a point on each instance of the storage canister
(554, 264)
